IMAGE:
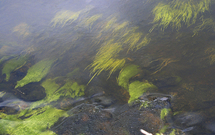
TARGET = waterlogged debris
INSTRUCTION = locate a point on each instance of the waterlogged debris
(125, 74)
(137, 88)
(36, 72)
(13, 65)
(22, 29)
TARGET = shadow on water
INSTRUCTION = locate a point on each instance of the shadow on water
(107, 67)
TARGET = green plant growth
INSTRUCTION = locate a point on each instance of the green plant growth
(36, 72)
(88, 22)
(164, 113)
(105, 61)
(37, 121)
(67, 17)
(50, 88)
(207, 24)
(13, 64)
(72, 89)
(137, 88)
(178, 12)
(125, 74)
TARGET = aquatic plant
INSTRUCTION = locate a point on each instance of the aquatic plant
(211, 52)
(105, 60)
(207, 24)
(36, 72)
(67, 17)
(35, 122)
(88, 22)
(137, 88)
(164, 113)
(22, 29)
(71, 89)
(13, 64)
(178, 12)
(125, 74)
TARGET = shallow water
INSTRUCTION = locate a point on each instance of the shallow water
(58, 56)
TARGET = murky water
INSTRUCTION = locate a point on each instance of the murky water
(72, 67)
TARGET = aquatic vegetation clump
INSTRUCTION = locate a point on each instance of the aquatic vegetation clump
(105, 61)
(164, 113)
(37, 121)
(68, 17)
(178, 12)
(88, 22)
(207, 24)
(137, 88)
(22, 29)
(13, 64)
(36, 72)
(72, 89)
(125, 74)
(211, 52)
(63, 17)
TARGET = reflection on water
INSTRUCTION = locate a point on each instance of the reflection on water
(83, 67)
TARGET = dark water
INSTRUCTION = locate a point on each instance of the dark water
(61, 63)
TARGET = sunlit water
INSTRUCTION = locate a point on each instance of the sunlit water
(56, 55)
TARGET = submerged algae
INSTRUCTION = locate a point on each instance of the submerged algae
(36, 72)
(13, 64)
(178, 12)
(72, 89)
(38, 123)
(137, 88)
(125, 74)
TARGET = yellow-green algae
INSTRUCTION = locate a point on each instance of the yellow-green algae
(68, 17)
(178, 12)
(164, 113)
(137, 88)
(207, 24)
(118, 37)
(38, 123)
(13, 64)
(72, 89)
(36, 72)
(125, 74)
(88, 22)
(105, 61)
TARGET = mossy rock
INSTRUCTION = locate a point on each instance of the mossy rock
(13, 64)
(36, 72)
(37, 121)
(125, 74)
(72, 89)
(137, 88)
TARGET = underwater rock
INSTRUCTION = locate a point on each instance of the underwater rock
(188, 119)
(166, 81)
(103, 101)
(30, 92)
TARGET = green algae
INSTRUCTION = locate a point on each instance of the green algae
(50, 88)
(38, 123)
(125, 74)
(137, 88)
(178, 12)
(164, 113)
(72, 89)
(105, 61)
(13, 64)
(36, 72)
